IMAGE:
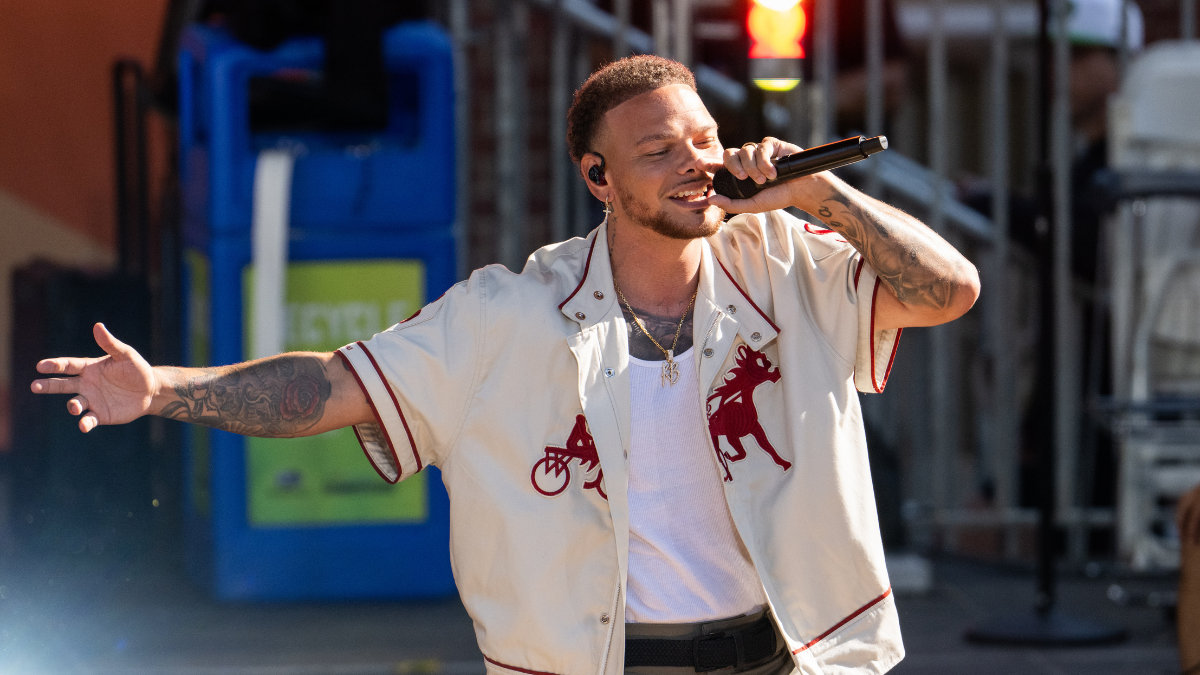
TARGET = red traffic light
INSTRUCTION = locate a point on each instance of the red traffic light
(776, 28)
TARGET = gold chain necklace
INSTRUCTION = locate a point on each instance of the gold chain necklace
(670, 369)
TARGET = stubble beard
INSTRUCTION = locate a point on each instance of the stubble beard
(661, 222)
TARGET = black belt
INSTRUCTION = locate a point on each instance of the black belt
(726, 649)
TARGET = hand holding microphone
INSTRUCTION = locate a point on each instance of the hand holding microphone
(803, 163)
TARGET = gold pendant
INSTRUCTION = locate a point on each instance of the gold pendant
(670, 371)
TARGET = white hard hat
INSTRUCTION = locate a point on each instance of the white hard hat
(1098, 23)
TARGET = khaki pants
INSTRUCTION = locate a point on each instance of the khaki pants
(1189, 607)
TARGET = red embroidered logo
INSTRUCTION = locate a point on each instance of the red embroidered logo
(735, 416)
(552, 473)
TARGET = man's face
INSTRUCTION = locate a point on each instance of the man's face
(661, 148)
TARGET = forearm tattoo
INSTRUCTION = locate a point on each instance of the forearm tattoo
(279, 397)
(904, 262)
(662, 328)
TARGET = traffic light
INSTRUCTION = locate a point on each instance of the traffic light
(776, 28)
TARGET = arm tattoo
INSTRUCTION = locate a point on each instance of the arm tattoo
(896, 255)
(278, 397)
(662, 328)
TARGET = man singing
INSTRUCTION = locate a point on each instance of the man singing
(651, 437)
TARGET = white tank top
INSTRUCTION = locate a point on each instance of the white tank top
(686, 561)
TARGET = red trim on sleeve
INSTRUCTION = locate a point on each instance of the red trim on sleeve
(874, 380)
(858, 273)
(808, 229)
(519, 670)
(875, 383)
(892, 359)
(586, 266)
(735, 285)
(844, 621)
(378, 422)
(411, 443)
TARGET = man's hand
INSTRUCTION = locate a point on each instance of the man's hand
(756, 162)
(112, 389)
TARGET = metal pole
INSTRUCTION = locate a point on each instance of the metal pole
(511, 27)
(1065, 395)
(683, 32)
(874, 42)
(798, 121)
(1046, 627)
(662, 27)
(460, 30)
(621, 39)
(939, 336)
(560, 91)
(1187, 19)
(1003, 439)
(582, 67)
(823, 103)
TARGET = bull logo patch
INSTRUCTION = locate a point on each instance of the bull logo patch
(731, 411)
(552, 473)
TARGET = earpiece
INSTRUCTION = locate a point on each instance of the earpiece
(596, 173)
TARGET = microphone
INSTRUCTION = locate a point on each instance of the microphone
(803, 163)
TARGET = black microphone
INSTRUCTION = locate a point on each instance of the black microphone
(803, 163)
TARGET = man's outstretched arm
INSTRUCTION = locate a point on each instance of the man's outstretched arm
(295, 394)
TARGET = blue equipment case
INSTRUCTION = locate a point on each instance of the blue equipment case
(373, 197)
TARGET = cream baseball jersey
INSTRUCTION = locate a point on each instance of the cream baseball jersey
(517, 387)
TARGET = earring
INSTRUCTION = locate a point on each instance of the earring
(608, 209)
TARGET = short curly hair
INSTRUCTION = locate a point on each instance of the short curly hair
(611, 86)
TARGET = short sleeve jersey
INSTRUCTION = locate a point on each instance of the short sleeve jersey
(517, 387)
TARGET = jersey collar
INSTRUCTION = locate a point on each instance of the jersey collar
(595, 295)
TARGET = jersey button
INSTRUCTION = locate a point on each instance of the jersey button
(708, 353)
(580, 315)
(603, 618)
(731, 309)
(609, 372)
(756, 336)
(599, 295)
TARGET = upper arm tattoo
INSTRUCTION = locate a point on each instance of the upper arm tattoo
(279, 397)
(895, 255)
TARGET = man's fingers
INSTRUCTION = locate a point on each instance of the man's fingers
(77, 404)
(88, 422)
(733, 162)
(733, 205)
(58, 385)
(111, 345)
(751, 156)
(776, 148)
(765, 166)
(63, 366)
(765, 152)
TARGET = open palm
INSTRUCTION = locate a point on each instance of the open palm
(112, 389)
